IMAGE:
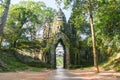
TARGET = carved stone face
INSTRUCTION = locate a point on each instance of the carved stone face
(57, 25)
(60, 15)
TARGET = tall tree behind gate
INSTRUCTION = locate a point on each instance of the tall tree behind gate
(4, 17)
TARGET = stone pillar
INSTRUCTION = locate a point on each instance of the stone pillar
(53, 57)
(67, 58)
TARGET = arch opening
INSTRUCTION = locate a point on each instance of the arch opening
(60, 54)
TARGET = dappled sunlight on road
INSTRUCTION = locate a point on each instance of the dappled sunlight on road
(62, 74)
(24, 75)
(91, 75)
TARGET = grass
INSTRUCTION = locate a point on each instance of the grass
(59, 60)
(36, 69)
(12, 63)
(112, 63)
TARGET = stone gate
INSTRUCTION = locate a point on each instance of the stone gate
(58, 31)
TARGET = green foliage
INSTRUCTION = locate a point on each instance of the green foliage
(1, 10)
(74, 50)
(3, 4)
(118, 68)
(7, 56)
(45, 50)
(36, 69)
(24, 21)
(18, 17)
(76, 66)
(29, 45)
(13, 64)
(107, 27)
(113, 62)
(59, 60)
(39, 8)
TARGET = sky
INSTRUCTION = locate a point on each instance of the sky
(49, 3)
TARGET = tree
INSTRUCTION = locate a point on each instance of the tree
(17, 19)
(90, 9)
(41, 12)
(24, 21)
(4, 17)
(87, 8)
(108, 26)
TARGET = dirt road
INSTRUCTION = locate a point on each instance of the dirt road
(61, 74)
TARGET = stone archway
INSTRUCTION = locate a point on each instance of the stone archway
(60, 38)
(58, 31)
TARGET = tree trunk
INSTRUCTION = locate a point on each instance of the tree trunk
(1, 39)
(15, 44)
(75, 58)
(4, 17)
(93, 38)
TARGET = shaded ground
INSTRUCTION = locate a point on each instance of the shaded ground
(91, 75)
(24, 75)
(61, 74)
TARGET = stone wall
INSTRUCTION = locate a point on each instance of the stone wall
(28, 56)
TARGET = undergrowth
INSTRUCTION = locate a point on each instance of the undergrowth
(11, 63)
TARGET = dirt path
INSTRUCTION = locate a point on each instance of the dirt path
(61, 74)
(24, 75)
(91, 75)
